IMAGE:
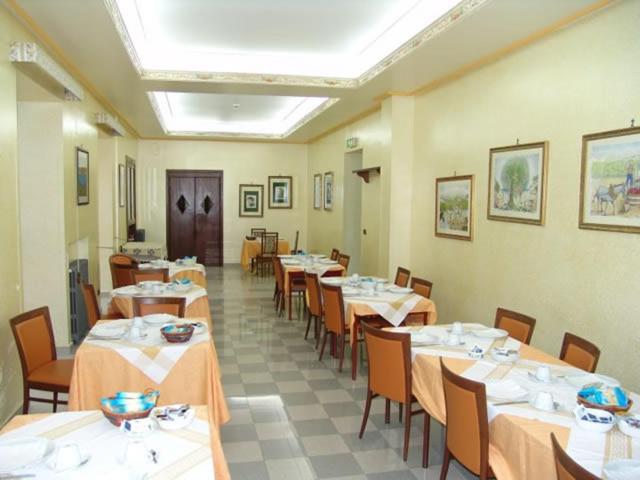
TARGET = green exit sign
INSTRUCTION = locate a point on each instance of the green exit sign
(352, 142)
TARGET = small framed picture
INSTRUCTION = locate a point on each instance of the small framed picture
(517, 183)
(82, 176)
(251, 200)
(317, 191)
(280, 192)
(328, 190)
(122, 185)
(454, 207)
(610, 181)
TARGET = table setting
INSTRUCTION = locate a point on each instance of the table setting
(182, 268)
(251, 248)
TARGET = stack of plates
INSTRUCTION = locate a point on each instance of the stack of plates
(108, 332)
(159, 319)
(350, 291)
(24, 452)
(490, 333)
(396, 289)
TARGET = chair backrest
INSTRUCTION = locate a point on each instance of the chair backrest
(421, 286)
(467, 432)
(518, 325)
(389, 355)
(334, 254)
(121, 275)
(33, 333)
(314, 298)
(278, 272)
(332, 273)
(566, 467)
(579, 352)
(270, 243)
(150, 275)
(149, 305)
(402, 277)
(344, 260)
(91, 302)
(295, 245)
(257, 232)
(333, 307)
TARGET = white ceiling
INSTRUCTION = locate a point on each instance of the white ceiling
(302, 29)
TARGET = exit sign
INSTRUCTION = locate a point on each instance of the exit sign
(352, 142)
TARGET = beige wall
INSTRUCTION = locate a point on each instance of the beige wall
(580, 80)
(241, 163)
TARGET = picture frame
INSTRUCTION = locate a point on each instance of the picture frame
(328, 191)
(280, 192)
(317, 191)
(82, 176)
(518, 183)
(122, 185)
(251, 200)
(610, 181)
(454, 207)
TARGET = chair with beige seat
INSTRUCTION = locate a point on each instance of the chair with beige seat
(467, 426)
(121, 266)
(93, 308)
(579, 352)
(518, 325)
(150, 275)
(390, 377)
(566, 467)
(152, 305)
(344, 261)
(421, 286)
(402, 277)
(41, 369)
(314, 305)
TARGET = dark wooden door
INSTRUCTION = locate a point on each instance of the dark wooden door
(194, 215)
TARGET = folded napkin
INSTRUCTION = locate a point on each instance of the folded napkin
(622, 470)
(19, 452)
(505, 390)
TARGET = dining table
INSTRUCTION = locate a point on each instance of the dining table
(109, 362)
(251, 248)
(192, 452)
(519, 431)
(196, 272)
(196, 299)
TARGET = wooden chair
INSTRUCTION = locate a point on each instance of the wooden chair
(150, 305)
(579, 352)
(121, 266)
(297, 286)
(402, 277)
(314, 305)
(390, 377)
(467, 426)
(334, 323)
(257, 233)
(421, 286)
(344, 261)
(518, 325)
(335, 253)
(41, 369)
(150, 275)
(295, 245)
(566, 467)
(268, 250)
(93, 307)
(278, 273)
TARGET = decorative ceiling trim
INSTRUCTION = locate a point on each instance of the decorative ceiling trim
(32, 56)
(110, 124)
(457, 13)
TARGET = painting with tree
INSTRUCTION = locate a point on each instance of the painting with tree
(517, 183)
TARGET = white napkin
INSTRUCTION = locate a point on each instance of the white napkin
(505, 390)
(622, 470)
(21, 452)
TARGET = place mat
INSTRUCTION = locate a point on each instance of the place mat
(394, 308)
(190, 295)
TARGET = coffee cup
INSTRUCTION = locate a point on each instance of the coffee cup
(543, 373)
(544, 401)
(457, 327)
(135, 453)
(453, 339)
(65, 457)
(157, 288)
(380, 286)
(135, 332)
(138, 322)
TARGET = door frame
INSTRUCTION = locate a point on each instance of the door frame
(194, 174)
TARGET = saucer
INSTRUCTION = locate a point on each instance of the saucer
(533, 378)
(84, 458)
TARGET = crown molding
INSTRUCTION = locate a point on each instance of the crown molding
(110, 124)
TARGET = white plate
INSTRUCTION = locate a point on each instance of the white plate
(505, 390)
(490, 333)
(396, 289)
(581, 379)
(173, 422)
(23, 452)
(504, 358)
(108, 332)
(291, 262)
(582, 414)
(327, 261)
(419, 338)
(350, 292)
(533, 378)
(627, 429)
(333, 280)
(622, 470)
(159, 319)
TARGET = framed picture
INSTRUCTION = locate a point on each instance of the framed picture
(454, 207)
(280, 192)
(82, 176)
(610, 181)
(122, 185)
(317, 191)
(517, 183)
(328, 190)
(251, 200)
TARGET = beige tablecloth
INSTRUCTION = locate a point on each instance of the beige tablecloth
(195, 378)
(300, 268)
(74, 427)
(196, 273)
(252, 248)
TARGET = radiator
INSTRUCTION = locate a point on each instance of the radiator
(78, 273)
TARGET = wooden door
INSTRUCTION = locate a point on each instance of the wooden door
(194, 215)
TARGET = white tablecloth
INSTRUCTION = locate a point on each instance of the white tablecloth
(175, 268)
(190, 295)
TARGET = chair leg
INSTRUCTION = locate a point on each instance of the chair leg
(290, 295)
(55, 402)
(365, 416)
(341, 342)
(324, 343)
(387, 407)
(425, 440)
(400, 405)
(25, 400)
(445, 463)
(407, 432)
(306, 333)
(275, 292)
(354, 358)
(319, 332)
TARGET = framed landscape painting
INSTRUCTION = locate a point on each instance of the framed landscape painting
(328, 190)
(280, 192)
(82, 176)
(454, 207)
(251, 200)
(517, 183)
(317, 191)
(610, 181)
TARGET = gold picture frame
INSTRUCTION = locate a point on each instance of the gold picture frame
(317, 191)
(454, 207)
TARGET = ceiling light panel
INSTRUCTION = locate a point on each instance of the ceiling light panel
(338, 39)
